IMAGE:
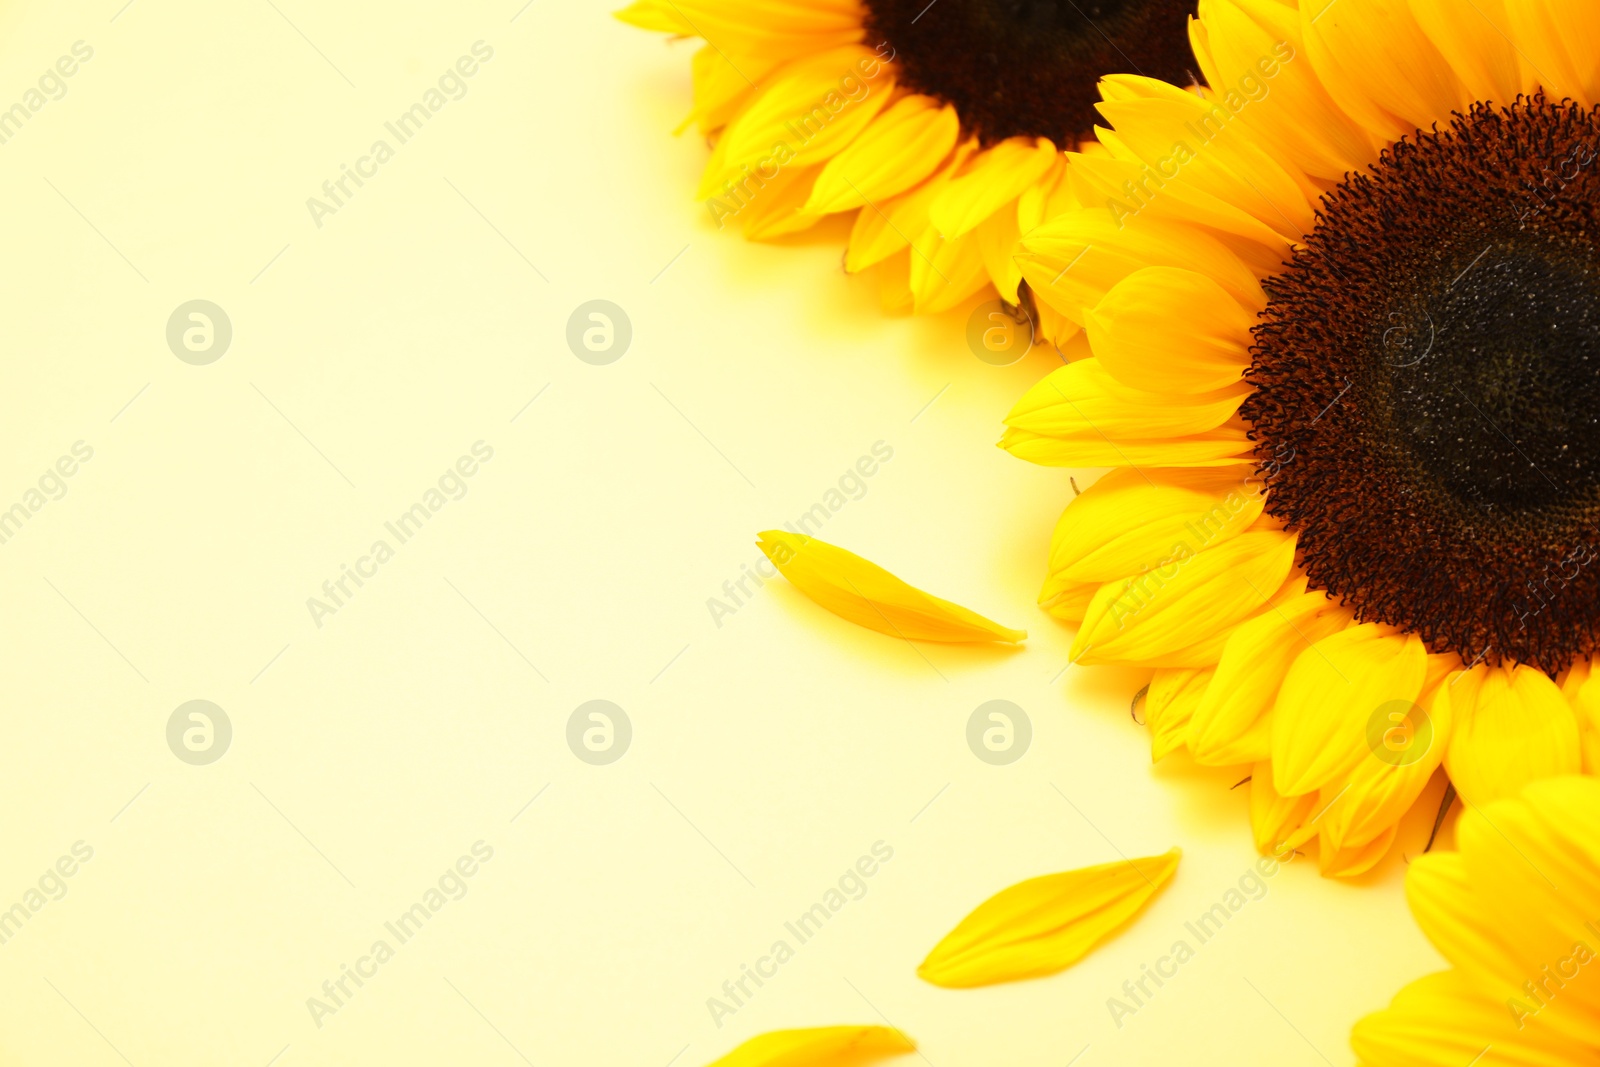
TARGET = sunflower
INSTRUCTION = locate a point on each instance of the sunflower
(1342, 314)
(1516, 912)
(938, 125)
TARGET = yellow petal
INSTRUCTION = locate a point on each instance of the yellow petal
(1065, 599)
(803, 117)
(1232, 725)
(995, 176)
(1532, 866)
(1380, 66)
(1441, 1021)
(1182, 611)
(777, 208)
(1384, 785)
(1082, 399)
(1129, 520)
(1073, 260)
(1581, 687)
(1245, 42)
(1560, 40)
(894, 283)
(1045, 197)
(1276, 821)
(722, 87)
(1331, 694)
(1478, 46)
(867, 595)
(903, 146)
(1090, 419)
(1351, 860)
(822, 1046)
(1512, 726)
(882, 229)
(944, 272)
(1170, 704)
(803, 24)
(1440, 893)
(1155, 125)
(1105, 180)
(1133, 336)
(658, 15)
(1044, 925)
(996, 237)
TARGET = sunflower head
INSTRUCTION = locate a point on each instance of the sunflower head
(1354, 278)
(1431, 359)
(1029, 68)
(937, 124)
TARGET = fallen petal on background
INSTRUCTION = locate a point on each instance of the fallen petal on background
(1046, 924)
(867, 595)
(819, 1046)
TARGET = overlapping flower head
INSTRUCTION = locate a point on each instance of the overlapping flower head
(938, 126)
(1515, 913)
(1342, 312)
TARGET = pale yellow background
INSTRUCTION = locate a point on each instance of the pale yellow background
(768, 754)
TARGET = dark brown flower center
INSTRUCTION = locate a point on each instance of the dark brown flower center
(1030, 67)
(1427, 387)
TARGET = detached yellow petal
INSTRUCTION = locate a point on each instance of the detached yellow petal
(1045, 925)
(867, 595)
(820, 1046)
